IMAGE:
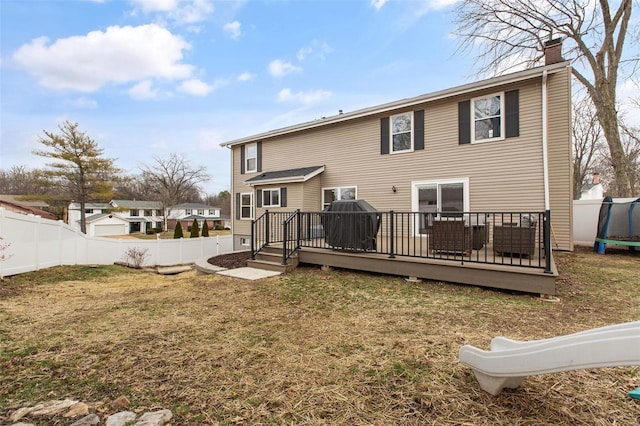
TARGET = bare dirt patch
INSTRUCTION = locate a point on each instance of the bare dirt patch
(310, 347)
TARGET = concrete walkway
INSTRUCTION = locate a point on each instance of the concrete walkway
(203, 267)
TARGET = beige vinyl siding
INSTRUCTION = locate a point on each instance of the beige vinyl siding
(503, 175)
(560, 163)
(312, 195)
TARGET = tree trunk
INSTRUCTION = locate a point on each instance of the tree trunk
(608, 118)
(83, 217)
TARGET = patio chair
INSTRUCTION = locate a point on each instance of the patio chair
(511, 239)
(451, 236)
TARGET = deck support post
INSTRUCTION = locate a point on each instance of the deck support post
(392, 236)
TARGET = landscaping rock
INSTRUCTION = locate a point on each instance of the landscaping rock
(19, 413)
(155, 418)
(51, 408)
(121, 418)
(77, 409)
(121, 403)
(90, 420)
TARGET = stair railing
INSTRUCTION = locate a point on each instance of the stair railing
(291, 236)
(259, 229)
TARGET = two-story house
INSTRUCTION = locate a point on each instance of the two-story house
(496, 145)
(118, 217)
(185, 213)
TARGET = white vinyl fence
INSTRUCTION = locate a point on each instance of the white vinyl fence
(35, 243)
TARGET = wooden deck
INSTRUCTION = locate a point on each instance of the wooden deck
(480, 267)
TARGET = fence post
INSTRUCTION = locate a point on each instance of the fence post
(285, 229)
(299, 228)
(267, 231)
(547, 241)
(253, 235)
(392, 236)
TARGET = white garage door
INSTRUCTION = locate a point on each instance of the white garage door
(104, 230)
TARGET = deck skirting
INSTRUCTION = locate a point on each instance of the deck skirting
(505, 277)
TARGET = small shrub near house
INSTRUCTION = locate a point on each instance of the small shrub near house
(195, 229)
(220, 228)
(205, 229)
(177, 232)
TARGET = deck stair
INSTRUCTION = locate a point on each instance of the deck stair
(270, 258)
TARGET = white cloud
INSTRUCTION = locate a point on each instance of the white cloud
(306, 98)
(117, 55)
(317, 48)
(144, 91)
(195, 87)
(278, 68)
(246, 76)
(82, 103)
(233, 29)
(179, 11)
(377, 4)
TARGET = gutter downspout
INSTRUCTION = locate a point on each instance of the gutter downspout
(545, 160)
(232, 212)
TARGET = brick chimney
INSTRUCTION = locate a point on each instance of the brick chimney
(596, 178)
(553, 51)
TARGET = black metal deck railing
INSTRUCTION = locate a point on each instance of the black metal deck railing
(505, 238)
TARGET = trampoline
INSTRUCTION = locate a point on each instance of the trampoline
(619, 224)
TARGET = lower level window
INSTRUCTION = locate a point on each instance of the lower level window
(246, 206)
(245, 242)
(330, 195)
(271, 197)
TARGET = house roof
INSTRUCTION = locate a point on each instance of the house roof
(97, 217)
(100, 206)
(286, 176)
(15, 199)
(193, 206)
(29, 210)
(135, 204)
(406, 103)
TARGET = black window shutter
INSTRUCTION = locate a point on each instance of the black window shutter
(384, 135)
(283, 197)
(512, 112)
(259, 154)
(418, 130)
(464, 122)
(238, 207)
(241, 159)
(259, 198)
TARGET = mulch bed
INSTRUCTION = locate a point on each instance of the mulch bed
(231, 260)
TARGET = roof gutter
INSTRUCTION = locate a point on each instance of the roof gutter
(545, 159)
(405, 103)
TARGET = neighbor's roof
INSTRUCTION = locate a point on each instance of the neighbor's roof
(135, 204)
(15, 199)
(101, 206)
(99, 216)
(29, 210)
(286, 176)
(408, 102)
(193, 206)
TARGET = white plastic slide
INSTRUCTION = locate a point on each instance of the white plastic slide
(510, 361)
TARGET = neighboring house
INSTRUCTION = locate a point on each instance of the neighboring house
(593, 190)
(142, 215)
(496, 145)
(185, 213)
(39, 204)
(118, 217)
(26, 207)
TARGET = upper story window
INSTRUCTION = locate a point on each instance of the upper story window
(201, 212)
(158, 213)
(135, 212)
(187, 211)
(271, 197)
(148, 212)
(251, 158)
(212, 212)
(488, 121)
(88, 210)
(402, 132)
(330, 195)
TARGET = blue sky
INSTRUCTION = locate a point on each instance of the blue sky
(147, 78)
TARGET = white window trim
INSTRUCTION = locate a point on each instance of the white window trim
(502, 119)
(251, 204)
(247, 158)
(414, 197)
(391, 151)
(245, 242)
(270, 197)
(338, 188)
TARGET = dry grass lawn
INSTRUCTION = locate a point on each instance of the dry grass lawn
(307, 348)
